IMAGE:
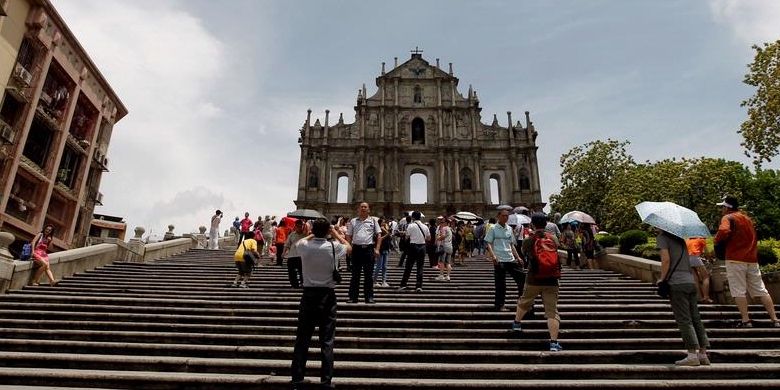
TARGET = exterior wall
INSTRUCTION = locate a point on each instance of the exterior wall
(63, 115)
(417, 122)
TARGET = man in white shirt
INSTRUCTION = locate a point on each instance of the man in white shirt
(363, 234)
(418, 235)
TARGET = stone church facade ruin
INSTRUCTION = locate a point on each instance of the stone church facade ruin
(417, 122)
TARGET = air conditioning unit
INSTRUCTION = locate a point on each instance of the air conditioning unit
(23, 75)
(99, 198)
(7, 133)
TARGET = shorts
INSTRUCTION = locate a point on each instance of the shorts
(245, 267)
(446, 257)
(549, 299)
(745, 278)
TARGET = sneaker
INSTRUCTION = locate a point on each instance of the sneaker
(501, 308)
(447, 278)
(377, 284)
(704, 360)
(243, 285)
(775, 324)
(234, 285)
(516, 327)
(402, 288)
(555, 346)
(440, 278)
(690, 360)
(748, 324)
(419, 289)
(384, 284)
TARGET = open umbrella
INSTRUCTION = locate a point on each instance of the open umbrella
(504, 207)
(578, 216)
(466, 216)
(305, 214)
(520, 209)
(672, 218)
(518, 219)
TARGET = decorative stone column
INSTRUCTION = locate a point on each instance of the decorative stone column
(202, 238)
(719, 284)
(169, 234)
(5, 240)
(136, 246)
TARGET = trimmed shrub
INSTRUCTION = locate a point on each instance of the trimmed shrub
(766, 255)
(607, 240)
(647, 251)
(630, 239)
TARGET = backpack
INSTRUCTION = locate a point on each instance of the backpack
(546, 255)
(26, 252)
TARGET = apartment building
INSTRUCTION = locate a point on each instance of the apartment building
(57, 114)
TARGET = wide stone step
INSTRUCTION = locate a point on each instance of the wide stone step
(388, 369)
(196, 381)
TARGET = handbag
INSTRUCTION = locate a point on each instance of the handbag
(336, 274)
(663, 288)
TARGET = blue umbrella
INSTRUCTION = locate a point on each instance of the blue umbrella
(672, 218)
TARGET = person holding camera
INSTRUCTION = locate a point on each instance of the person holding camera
(319, 261)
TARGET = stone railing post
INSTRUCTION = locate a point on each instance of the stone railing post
(136, 246)
(202, 239)
(169, 234)
(719, 284)
(5, 240)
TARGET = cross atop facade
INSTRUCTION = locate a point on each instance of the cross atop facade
(416, 50)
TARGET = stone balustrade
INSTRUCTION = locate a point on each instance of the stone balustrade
(650, 271)
(15, 274)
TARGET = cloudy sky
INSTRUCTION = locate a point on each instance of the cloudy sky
(217, 90)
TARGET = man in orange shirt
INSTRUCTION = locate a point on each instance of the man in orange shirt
(736, 231)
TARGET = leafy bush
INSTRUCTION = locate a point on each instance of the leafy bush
(774, 267)
(647, 251)
(766, 255)
(607, 240)
(630, 239)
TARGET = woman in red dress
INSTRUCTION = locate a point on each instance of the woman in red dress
(40, 255)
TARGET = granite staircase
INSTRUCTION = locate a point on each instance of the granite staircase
(176, 324)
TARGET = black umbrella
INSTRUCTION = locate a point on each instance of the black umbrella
(305, 214)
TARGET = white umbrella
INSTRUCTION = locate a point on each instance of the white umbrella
(504, 207)
(578, 216)
(672, 218)
(518, 219)
(466, 216)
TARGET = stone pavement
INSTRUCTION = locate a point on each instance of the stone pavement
(175, 324)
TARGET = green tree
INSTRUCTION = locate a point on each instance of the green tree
(587, 174)
(762, 202)
(761, 131)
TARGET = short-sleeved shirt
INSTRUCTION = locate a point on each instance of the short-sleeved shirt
(292, 239)
(363, 231)
(317, 262)
(502, 238)
(447, 232)
(418, 232)
(696, 246)
(246, 223)
(281, 234)
(678, 251)
(250, 244)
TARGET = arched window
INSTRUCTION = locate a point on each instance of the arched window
(314, 177)
(418, 132)
(495, 196)
(418, 188)
(370, 177)
(417, 94)
(466, 179)
(342, 196)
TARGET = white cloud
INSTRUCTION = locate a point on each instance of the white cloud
(753, 21)
(164, 65)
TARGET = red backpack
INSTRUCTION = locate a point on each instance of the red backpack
(546, 254)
